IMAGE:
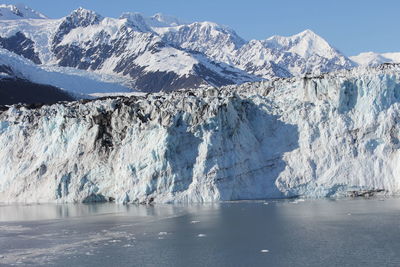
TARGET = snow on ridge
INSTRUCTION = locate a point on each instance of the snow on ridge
(373, 59)
(162, 20)
(19, 11)
(85, 14)
(138, 21)
(394, 56)
(305, 44)
(82, 35)
(40, 31)
(167, 59)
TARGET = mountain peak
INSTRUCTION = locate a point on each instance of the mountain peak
(306, 44)
(308, 32)
(82, 17)
(83, 12)
(161, 20)
(136, 20)
(19, 11)
(170, 20)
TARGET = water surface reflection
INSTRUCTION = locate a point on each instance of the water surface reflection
(275, 233)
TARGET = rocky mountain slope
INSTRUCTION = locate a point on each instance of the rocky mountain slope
(328, 135)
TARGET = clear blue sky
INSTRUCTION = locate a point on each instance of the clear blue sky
(352, 26)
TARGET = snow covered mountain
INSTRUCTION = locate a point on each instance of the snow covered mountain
(314, 136)
(126, 48)
(216, 41)
(163, 53)
(299, 54)
(16, 12)
(374, 59)
(277, 56)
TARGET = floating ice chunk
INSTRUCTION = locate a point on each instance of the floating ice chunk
(297, 201)
(201, 235)
(194, 222)
(264, 251)
(266, 203)
(162, 233)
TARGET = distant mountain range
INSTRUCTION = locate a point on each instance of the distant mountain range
(373, 59)
(158, 53)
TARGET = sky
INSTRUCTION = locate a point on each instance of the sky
(352, 26)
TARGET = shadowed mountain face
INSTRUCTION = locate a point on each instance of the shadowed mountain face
(15, 90)
(20, 45)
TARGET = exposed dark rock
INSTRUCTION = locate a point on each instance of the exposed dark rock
(13, 91)
(365, 193)
(3, 108)
(78, 18)
(6, 70)
(21, 45)
(149, 201)
(94, 198)
(104, 136)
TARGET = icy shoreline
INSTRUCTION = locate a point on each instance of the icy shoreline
(313, 137)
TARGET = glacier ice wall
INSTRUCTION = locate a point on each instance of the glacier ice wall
(312, 136)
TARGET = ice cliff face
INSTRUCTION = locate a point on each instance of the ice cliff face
(314, 137)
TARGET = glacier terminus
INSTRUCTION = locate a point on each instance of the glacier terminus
(316, 136)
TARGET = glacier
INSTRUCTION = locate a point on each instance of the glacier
(79, 83)
(312, 136)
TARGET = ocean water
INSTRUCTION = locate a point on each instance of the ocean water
(346, 232)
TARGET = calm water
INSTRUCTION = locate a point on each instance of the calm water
(362, 232)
